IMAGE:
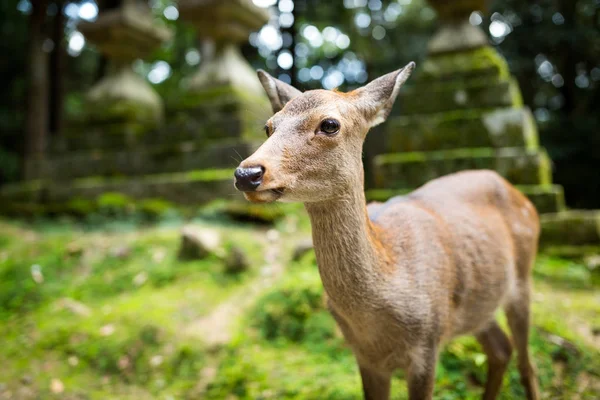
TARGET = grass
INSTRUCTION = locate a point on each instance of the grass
(111, 312)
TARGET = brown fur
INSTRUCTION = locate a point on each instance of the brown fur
(405, 276)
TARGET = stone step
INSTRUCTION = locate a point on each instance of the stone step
(483, 62)
(188, 188)
(546, 198)
(571, 228)
(427, 98)
(183, 156)
(411, 170)
(215, 119)
(505, 127)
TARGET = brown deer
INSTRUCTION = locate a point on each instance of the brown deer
(405, 276)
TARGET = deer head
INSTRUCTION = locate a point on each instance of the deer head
(314, 146)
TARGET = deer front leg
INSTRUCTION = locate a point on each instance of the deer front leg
(421, 375)
(376, 386)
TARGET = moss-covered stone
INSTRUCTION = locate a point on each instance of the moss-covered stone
(192, 187)
(546, 198)
(483, 62)
(505, 127)
(122, 111)
(185, 188)
(178, 157)
(251, 212)
(409, 170)
(27, 192)
(575, 228)
(223, 111)
(435, 97)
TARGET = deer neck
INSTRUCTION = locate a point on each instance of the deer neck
(347, 247)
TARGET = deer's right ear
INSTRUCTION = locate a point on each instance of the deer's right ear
(279, 92)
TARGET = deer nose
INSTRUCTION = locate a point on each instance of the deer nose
(248, 179)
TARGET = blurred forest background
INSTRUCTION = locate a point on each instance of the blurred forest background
(552, 46)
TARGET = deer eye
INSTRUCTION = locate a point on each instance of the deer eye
(329, 126)
(267, 130)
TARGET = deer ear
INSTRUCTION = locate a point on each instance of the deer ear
(377, 98)
(279, 92)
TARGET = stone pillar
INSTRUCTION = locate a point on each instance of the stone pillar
(224, 98)
(123, 35)
(464, 110)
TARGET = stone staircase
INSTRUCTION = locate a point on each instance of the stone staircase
(188, 160)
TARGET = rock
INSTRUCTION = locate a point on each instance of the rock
(197, 244)
(592, 261)
(74, 249)
(272, 235)
(302, 248)
(36, 273)
(140, 278)
(76, 307)
(236, 260)
(121, 252)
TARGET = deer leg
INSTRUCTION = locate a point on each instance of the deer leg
(517, 314)
(421, 376)
(498, 349)
(375, 385)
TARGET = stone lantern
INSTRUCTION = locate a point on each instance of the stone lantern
(123, 35)
(224, 96)
(455, 31)
(222, 26)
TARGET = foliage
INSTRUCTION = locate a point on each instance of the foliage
(115, 314)
(279, 359)
(294, 310)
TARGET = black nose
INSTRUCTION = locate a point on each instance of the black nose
(248, 179)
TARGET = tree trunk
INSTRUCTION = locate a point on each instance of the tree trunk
(57, 66)
(37, 92)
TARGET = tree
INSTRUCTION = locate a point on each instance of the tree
(36, 117)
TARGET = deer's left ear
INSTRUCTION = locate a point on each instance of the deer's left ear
(377, 98)
(278, 91)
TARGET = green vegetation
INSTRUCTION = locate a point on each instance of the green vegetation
(115, 315)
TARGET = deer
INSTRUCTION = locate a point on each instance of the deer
(405, 276)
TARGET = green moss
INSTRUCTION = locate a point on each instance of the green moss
(24, 191)
(506, 127)
(480, 62)
(155, 208)
(289, 310)
(546, 198)
(81, 206)
(251, 212)
(456, 129)
(572, 252)
(477, 93)
(128, 112)
(247, 111)
(209, 175)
